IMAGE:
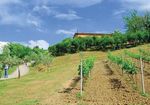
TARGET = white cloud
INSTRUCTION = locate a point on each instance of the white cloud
(23, 13)
(2, 44)
(71, 15)
(32, 20)
(28, 18)
(42, 30)
(66, 32)
(10, 16)
(44, 9)
(6, 17)
(119, 12)
(75, 3)
(41, 43)
(103, 32)
(141, 5)
(52, 11)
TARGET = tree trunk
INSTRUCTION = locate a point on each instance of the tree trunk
(18, 73)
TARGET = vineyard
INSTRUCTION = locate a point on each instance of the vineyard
(134, 65)
(59, 52)
(124, 74)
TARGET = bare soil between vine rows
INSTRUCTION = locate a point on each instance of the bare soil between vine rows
(106, 86)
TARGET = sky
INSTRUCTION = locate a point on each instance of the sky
(47, 22)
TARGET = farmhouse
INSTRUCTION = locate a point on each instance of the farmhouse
(90, 35)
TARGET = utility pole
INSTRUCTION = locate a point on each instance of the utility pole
(142, 76)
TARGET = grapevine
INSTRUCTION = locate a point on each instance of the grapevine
(144, 52)
(137, 56)
(87, 66)
(127, 65)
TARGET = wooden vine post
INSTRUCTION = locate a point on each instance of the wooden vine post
(142, 76)
(81, 74)
(81, 77)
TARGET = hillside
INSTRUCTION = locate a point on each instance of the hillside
(50, 87)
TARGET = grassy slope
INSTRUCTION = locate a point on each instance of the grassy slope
(39, 86)
(42, 87)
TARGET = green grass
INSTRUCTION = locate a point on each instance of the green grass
(42, 86)
(12, 69)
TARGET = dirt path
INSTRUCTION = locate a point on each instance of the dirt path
(23, 71)
(99, 90)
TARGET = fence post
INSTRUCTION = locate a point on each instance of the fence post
(81, 77)
(142, 76)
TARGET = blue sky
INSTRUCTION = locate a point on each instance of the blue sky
(44, 22)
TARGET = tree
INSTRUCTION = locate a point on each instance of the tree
(89, 42)
(18, 50)
(133, 22)
(1, 69)
(146, 21)
(106, 42)
(119, 39)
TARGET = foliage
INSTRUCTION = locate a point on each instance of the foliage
(1, 69)
(144, 52)
(15, 54)
(18, 50)
(137, 56)
(133, 22)
(133, 55)
(127, 65)
(138, 32)
(78, 95)
(6, 58)
(87, 66)
(116, 41)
